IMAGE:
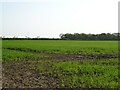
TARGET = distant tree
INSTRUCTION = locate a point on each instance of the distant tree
(83, 36)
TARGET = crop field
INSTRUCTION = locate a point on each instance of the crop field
(60, 64)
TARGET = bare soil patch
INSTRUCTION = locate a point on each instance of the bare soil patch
(18, 74)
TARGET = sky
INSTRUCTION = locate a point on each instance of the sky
(50, 18)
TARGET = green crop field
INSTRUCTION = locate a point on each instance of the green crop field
(60, 62)
(66, 47)
(86, 74)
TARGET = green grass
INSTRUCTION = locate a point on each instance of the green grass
(81, 74)
(101, 62)
(9, 55)
(62, 46)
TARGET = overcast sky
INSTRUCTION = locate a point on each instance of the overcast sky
(49, 18)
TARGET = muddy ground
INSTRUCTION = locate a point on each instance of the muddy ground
(18, 74)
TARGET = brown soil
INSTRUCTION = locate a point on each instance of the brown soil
(18, 74)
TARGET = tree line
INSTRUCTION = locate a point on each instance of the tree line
(83, 36)
(31, 38)
(75, 36)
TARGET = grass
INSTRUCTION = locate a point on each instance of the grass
(81, 74)
(62, 46)
(9, 55)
